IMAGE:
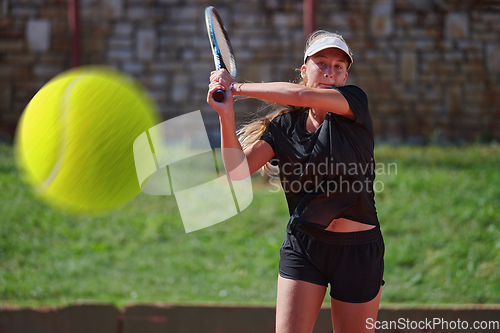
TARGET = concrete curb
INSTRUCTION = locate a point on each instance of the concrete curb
(89, 318)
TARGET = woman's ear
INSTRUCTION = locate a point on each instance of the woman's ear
(303, 72)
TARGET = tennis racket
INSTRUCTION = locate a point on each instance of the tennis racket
(221, 47)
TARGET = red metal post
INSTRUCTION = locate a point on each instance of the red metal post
(309, 18)
(74, 27)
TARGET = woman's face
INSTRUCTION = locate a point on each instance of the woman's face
(325, 69)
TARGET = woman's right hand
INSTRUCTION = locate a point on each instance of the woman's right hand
(221, 80)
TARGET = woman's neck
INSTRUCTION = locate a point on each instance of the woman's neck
(315, 118)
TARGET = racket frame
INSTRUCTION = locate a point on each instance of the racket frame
(210, 12)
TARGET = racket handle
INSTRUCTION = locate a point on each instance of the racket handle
(218, 96)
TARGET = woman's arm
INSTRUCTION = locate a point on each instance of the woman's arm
(256, 155)
(329, 100)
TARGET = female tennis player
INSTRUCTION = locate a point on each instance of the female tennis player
(322, 139)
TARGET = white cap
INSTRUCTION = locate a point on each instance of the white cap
(325, 43)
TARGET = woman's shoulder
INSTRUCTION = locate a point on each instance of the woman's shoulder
(353, 91)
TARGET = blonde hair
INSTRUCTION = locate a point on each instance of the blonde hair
(249, 133)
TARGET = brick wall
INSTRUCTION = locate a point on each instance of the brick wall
(431, 68)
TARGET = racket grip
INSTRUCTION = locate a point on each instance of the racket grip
(218, 96)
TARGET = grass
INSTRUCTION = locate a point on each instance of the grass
(440, 216)
(441, 221)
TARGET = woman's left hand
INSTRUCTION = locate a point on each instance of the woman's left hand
(222, 77)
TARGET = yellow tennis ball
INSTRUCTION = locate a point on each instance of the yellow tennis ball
(74, 141)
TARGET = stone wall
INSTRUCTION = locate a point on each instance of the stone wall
(431, 68)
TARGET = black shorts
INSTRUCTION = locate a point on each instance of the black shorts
(352, 262)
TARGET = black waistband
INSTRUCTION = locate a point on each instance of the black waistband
(357, 237)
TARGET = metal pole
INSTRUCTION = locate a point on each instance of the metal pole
(74, 27)
(309, 18)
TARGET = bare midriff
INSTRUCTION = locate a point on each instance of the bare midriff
(345, 225)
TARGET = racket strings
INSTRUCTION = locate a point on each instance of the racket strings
(223, 44)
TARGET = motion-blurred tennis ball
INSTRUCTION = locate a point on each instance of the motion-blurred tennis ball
(74, 142)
